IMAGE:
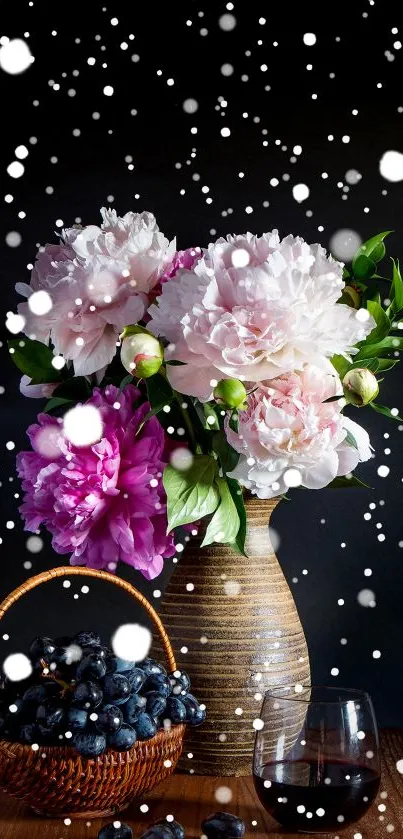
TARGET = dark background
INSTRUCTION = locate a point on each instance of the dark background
(355, 43)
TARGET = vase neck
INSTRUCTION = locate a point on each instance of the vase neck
(259, 510)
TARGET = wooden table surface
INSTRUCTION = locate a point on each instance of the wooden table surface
(190, 798)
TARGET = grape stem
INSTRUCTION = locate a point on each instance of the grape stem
(67, 688)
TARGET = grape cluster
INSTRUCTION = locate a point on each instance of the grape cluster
(217, 826)
(81, 694)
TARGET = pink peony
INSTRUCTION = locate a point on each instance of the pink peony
(104, 502)
(289, 426)
(182, 259)
(98, 279)
(253, 308)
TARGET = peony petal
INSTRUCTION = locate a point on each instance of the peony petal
(186, 379)
(322, 473)
(42, 391)
(361, 437)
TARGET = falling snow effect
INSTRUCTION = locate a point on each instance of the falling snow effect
(272, 178)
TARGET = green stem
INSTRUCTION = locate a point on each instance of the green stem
(186, 419)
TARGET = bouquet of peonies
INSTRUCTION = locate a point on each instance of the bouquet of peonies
(174, 379)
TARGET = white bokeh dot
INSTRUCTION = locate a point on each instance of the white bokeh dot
(132, 642)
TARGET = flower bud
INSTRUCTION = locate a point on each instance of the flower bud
(360, 386)
(351, 297)
(231, 393)
(141, 354)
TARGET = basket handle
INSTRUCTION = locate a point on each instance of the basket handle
(64, 571)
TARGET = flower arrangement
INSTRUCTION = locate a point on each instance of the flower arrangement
(174, 380)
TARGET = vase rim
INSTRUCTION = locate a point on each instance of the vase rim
(327, 694)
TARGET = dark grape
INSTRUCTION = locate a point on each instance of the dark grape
(110, 719)
(159, 683)
(91, 667)
(122, 740)
(194, 714)
(180, 682)
(152, 668)
(41, 648)
(177, 829)
(133, 707)
(50, 714)
(145, 726)
(111, 663)
(89, 744)
(175, 710)
(87, 639)
(29, 734)
(112, 832)
(48, 736)
(97, 649)
(161, 830)
(87, 695)
(122, 665)
(155, 704)
(223, 826)
(76, 718)
(116, 688)
(36, 694)
(136, 678)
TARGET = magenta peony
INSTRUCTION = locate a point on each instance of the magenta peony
(98, 280)
(290, 436)
(104, 502)
(251, 309)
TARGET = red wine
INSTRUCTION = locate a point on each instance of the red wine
(316, 797)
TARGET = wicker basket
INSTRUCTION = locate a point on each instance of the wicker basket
(55, 780)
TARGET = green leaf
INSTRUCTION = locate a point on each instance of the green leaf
(233, 421)
(211, 415)
(373, 248)
(339, 483)
(191, 494)
(396, 291)
(76, 389)
(383, 324)
(56, 402)
(127, 380)
(237, 498)
(224, 525)
(35, 360)
(340, 364)
(350, 440)
(369, 364)
(227, 455)
(333, 398)
(380, 277)
(159, 392)
(387, 344)
(375, 296)
(363, 266)
(382, 409)
(387, 363)
(346, 273)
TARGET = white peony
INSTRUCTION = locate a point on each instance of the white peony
(272, 315)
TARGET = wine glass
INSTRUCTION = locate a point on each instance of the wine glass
(316, 760)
